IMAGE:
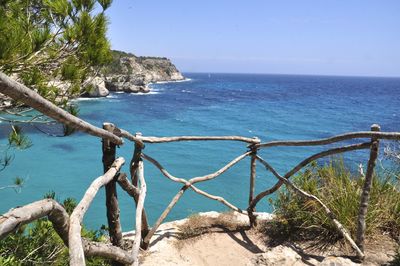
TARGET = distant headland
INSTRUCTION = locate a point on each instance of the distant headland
(132, 74)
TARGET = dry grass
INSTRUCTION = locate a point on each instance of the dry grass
(197, 225)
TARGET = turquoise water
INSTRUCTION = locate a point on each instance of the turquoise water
(271, 107)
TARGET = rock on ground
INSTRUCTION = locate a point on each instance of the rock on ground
(96, 87)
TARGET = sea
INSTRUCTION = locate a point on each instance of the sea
(270, 107)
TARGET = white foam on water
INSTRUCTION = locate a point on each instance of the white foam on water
(171, 81)
(183, 80)
(145, 93)
(87, 99)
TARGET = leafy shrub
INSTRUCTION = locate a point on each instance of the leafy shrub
(38, 243)
(340, 190)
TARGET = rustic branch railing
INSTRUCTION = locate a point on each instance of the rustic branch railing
(69, 227)
(76, 253)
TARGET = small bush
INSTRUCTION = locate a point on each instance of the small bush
(38, 244)
(340, 190)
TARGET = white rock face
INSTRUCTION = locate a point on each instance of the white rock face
(97, 88)
(135, 73)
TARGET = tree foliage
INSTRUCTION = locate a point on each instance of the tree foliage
(52, 46)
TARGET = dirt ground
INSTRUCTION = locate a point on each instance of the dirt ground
(221, 243)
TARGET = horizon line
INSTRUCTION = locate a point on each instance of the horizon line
(292, 74)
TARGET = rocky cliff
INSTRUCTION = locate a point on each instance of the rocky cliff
(130, 73)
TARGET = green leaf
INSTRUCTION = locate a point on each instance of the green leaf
(17, 139)
(105, 3)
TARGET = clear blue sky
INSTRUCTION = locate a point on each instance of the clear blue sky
(342, 37)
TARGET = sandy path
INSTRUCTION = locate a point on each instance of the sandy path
(211, 249)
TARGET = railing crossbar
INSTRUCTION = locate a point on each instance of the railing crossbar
(330, 140)
(306, 161)
(198, 138)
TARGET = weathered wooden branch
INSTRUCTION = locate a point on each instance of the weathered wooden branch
(164, 171)
(139, 213)
(19, 92)
(108, 251)
(187, 183)
(304, 163)
(217, 198)
(125, 134)
(220, 171)
(127, 186)
(342, 137)
(252, 176)
(15, 218)
(328, 212)
(361, 226)
(194, 179)
(135, 161)
(253, 165)
(164, 214)
(134, 165)
(134, 192)
(196, 138)
(112, 206)
(76, 253)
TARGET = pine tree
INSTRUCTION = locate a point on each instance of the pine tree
(52, 47)
(53, 40)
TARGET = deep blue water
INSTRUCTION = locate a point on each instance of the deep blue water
(271, 107)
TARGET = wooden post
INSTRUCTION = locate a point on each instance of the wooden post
(114, 224)
(252, 218)
(136, 159)
(139, 213)
(366, 189)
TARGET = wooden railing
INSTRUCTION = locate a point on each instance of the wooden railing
(69, 228)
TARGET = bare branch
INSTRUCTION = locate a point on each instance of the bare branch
(304, 163)
(139, 213)
(76, 253)
(328, 212)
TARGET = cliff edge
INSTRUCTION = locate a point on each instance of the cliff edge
(130, 73)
